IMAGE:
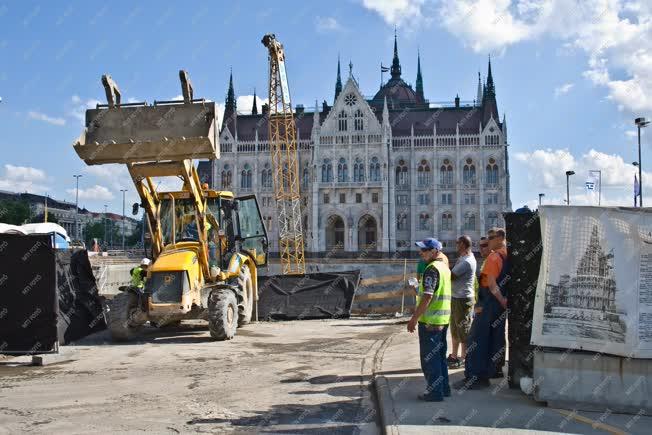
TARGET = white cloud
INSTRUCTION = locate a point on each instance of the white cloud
(545, 166)
(546, 170)
(96, 192)
(78, 111)
(46, 118)
(245, 103)
(23, 179)
(563, 89)
(616, 36)
(397, 12)
(327, 24)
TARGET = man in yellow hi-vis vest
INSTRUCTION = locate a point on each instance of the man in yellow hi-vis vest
(432, 315)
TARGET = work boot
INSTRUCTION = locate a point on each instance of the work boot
(430, 398)
(472, 384)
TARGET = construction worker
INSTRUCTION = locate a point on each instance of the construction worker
(432, 315)
(486, 340)
(139, 273)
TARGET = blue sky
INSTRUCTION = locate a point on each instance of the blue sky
(570, 75)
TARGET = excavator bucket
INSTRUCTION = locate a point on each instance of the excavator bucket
(138, 132)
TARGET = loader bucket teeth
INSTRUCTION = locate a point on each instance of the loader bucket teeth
(143, 133)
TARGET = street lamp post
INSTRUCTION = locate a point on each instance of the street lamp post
(77, 207)
(123, 218)
(106, 242)
(640, 123)
(568, 174)
(541, 195)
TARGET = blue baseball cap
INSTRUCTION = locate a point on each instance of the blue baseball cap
(429, 243)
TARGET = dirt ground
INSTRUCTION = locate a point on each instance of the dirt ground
(288, 377)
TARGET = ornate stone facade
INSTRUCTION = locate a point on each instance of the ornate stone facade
(378, 173)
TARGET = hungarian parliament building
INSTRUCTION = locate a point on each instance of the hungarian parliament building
(377, 173)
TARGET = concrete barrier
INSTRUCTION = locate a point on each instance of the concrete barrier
(593, 382)
(110, 277)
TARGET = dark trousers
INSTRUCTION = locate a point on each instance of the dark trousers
(485, 346)
(433, 348)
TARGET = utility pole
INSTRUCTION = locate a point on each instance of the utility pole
(106, 242)
(568, 174)
(77, 207)
(640, 123)
(123, 218)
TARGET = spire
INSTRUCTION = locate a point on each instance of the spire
(338, 82)
(419, 82)
(254, 108)
(230, 108)
(489, 105)
(491, 90)
(396, 64)
(478, 102)
(230, 95)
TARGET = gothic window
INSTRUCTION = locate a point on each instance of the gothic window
(446, 173)
(374, 169)
(226, 177)
(327, 171)
(342, 171)
(469, 198)
(424, 221)
(401, 221)
(469, 221)
(266, 177)
(342, 121)
(245, 177)
(492, 172)
(492, 219)
(447, 222)
(358, 122)
(446, 199)
(350, 100)
(306, 177)
(492, 198)
(402, 178)
(358, 170)
(468, 173)
(423, 198)
(423, 173)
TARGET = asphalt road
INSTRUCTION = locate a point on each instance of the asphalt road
(283, 377)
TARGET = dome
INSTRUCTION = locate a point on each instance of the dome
(398, 93)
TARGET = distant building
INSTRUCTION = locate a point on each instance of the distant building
(377, 173)
(64, 212)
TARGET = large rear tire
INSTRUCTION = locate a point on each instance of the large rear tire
(123, 322)
(246, 284)
(222, 314)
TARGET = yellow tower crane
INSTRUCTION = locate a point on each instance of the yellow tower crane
(285, 162)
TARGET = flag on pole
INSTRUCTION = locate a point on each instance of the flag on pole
(384, 68)
(637, 187)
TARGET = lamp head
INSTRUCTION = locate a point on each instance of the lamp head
(570, 173)
(641, 122)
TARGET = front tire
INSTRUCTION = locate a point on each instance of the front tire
(123, 317)
(222, 314)
(246, 284)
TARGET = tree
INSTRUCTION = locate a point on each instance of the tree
(14, 212)
(40, 218)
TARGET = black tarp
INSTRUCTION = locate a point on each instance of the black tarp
(28, 296)
(80, 307)
(46, 295)
(310, 296)
(524, 249)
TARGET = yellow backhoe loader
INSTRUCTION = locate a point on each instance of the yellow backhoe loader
(207, 245)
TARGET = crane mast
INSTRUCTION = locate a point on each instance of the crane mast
(285, 162)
